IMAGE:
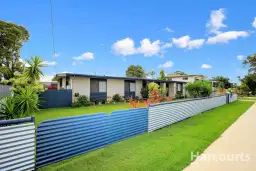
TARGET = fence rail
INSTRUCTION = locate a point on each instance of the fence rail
(17, 144)
(60, 139)
(164, 114)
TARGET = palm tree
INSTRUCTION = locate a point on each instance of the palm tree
(33, 72)
(152, 73)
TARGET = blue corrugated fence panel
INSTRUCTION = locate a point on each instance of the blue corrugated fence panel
(59, 139)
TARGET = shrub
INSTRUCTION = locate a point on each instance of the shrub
(82, 101)
(200, 88)
(117, 98)
(179, 95)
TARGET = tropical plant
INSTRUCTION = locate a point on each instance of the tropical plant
(179, 95)
(152, 74)
(200, 88)
(27, 101)
(33, 71)
(8, 108)
(135, 71)
(21, 104)
(152, 86)
(117, 98)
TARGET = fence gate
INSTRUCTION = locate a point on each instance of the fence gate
(17, 144)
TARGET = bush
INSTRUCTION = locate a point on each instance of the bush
(82, 101)
(117, 98)
(200, 88)
(179, 95)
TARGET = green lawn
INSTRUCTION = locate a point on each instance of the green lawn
(47, 114)
(166, 149)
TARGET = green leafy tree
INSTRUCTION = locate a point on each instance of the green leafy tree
(12, 37)
(200, 88)
(162, 75)
(135, 71)
(251, 62)
(243, 90)
(250, 81)
(222, 82)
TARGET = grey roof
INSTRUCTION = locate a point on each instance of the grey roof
(112, 77)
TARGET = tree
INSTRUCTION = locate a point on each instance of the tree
(243, 90)
(179, 73)
(162, 75)
(250, 81)
(12, 37)
(135, 71)
(222, 82)
(200, 88)
(152, 73)
(251, 62)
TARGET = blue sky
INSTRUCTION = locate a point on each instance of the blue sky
(105, 37)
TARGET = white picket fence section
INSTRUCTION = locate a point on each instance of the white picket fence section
(17, 144)
(164, 114)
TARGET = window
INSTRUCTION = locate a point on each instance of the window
(185, 78)
(102, 86)
(132, 87)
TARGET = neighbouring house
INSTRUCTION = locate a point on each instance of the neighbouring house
(104, 87)
(185, 78)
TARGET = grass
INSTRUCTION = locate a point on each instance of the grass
(54, 113)
(248, 98)
(166, 149)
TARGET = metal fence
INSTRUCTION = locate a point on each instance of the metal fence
(60, 139)
(55, 99)
(232, 98)
(4, 91)
(17, 144)
(163, 114)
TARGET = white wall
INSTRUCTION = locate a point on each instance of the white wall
(138, 88)
(172, 90)
(81, 85)
(115, 86)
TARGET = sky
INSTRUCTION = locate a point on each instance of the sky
(105, 37)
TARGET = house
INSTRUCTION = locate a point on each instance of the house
(185, 78)
(103, 87)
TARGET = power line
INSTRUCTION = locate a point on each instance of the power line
(53, 40)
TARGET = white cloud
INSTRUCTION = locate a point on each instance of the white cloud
(124, 47)
(46, 78)
(50, 63)
(22, 61)
(254, 23)
(206, 66)
(185, 42)
(216, 21)
(127, 47)
(225, 37)
(168, 29)
(167, 64)
(85, 56)
(240, 57)
(166, 45)
(149, 49)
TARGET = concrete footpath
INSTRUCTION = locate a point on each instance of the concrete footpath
(235, 150)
